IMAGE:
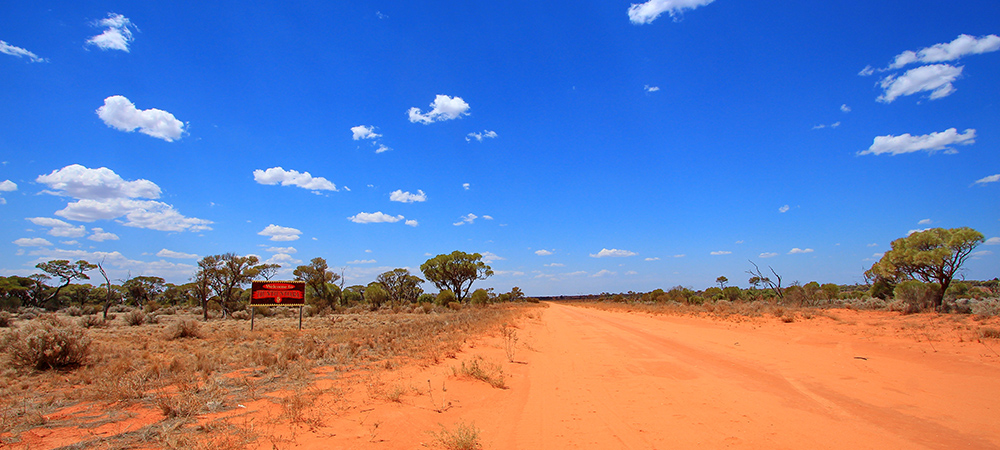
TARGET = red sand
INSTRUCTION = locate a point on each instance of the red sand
(587, 378)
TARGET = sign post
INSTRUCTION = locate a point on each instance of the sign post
(277, 293)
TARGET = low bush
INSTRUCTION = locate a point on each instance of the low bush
(184, 328)
(464, 437)
(48, 343)
(134, 318)
(5, 319)
(986, 308)
(91, 321)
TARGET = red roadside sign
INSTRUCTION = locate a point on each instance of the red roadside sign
(278, 293)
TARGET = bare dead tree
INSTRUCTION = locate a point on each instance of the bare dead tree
(109, 295)
(774, 286)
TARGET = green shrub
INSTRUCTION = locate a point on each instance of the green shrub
(445, 297)
(479, 297)
(48, 343)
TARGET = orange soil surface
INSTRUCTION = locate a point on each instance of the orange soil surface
(596, 379)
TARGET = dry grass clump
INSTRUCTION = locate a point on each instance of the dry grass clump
(47, 343)
(989, 333)
(134, 318)
(183, 328)
(482, 370)
(6, 319)
(92, 321)
(463, 437)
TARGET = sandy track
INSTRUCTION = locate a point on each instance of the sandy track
(603, 379)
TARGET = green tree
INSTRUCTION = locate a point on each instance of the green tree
(401, 286)
(65, 271)
(932, 256)
(317, 276)
(227, 274)
(376, 295)
(142, 290)
(456, 272)
(722, 282)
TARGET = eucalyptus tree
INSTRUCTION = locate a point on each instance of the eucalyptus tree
(456, 272)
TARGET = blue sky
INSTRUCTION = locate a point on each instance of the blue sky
(581, 146)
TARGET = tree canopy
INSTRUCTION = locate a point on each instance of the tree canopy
(456, 272)
(932, 256)
(401, 286)
(317, 276)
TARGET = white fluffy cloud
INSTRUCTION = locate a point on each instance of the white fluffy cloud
(950, 51)
(279, 233)
(8, 186)
(767, 255)
(936, 78)
(19, 52)
(288, 250)
(486, 134)
(924, 222)
(845, 108)
(543, 252)
(117, 33)
(277, 175)
(649, 88)
(58, 227)
(603, 273)
(175, 255)
(720, 253)
(443, 108)
(466, 186)
(468, 218)
(993, 241)
(655, 258)
(406, 197)
(612, 253)
(990, 179)
(491, 257)
(375, 217)
(797, 250)
(99, 235)
(120, 113)
(32, 242)
(411, 223)
(96, 184)
(905, 143)
(641, 13)
(103, 195)
(783, 209)
(364, 132)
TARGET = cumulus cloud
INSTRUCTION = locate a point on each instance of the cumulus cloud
(288, 250)
(797, 250)
(486, 134)
(120, 113)
(905, 143)
(8, 186)
(963, 45)
(442, 108)
(936, 78)
(175, 255)
(993, 241)
(279, 233)
(382, 149)
(543, 252)
(612, 253)
(32, 242)
(411, 222)
(990, 179)
(491, 257)
(721, 252)
(375, 217)
(103, 195)
(649, 88)
(117, 33)
(783, 209)
(924, 222)
(653, 259)
(364, 132)
(277, 175)
(19, 52)
(466, 186)
(406, 197)
(603, 273)
(58, 227)
(642, 13)
(362, 261)
(99, 235)
(468, 218)
(868, 70)
(845, 108)
(767, 255)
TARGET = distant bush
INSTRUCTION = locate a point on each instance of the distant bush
(445, 297)
(240, 315)
(6, 319)
(986, 308)
(74, 311)
(479, 297)
(47, 343)
(92, 321)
